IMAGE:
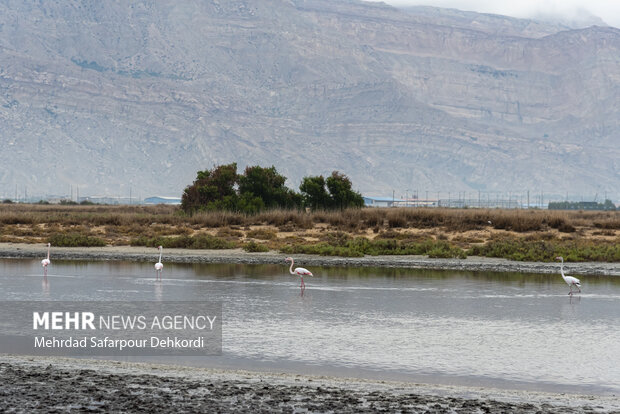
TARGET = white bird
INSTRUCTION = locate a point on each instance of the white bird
(46, 262)
(159, 265)
(299, 271)
(571, 281)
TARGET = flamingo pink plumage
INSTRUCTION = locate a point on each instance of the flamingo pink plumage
(571, 281)
(299, 271)
(159, 265)
(46, 262)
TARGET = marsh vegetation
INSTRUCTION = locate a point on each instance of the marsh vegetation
(537, 235)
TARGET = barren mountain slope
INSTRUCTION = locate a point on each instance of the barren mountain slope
(108, 96)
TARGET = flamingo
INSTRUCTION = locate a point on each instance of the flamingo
(46, 262)
(571, 281)
(159, 265)
(299, 271)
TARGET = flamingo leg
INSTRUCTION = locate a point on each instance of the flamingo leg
(45, 271)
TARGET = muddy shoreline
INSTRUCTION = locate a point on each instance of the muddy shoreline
(143, 254)
(44, 384)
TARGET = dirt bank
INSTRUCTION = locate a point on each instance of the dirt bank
(39, 384)
(16, 250)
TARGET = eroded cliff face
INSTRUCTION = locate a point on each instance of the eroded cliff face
(107, 96)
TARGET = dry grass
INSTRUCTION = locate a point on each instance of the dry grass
(465, 229)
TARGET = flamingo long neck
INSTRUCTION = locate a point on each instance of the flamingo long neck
(562, 268)
(48, 251)
(291, 269)
(160, 251)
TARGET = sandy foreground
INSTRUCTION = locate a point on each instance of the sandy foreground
(144, 254)
(44, 384)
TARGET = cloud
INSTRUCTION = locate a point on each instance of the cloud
(608, 10)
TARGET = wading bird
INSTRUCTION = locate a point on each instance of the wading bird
(159, 265)
(299, 271)
(571, 281)
(46, 262)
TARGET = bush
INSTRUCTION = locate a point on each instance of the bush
(75, 240)
(203, 241)
(253, 247)
(546, 251)
(361, 246)
(262, 234)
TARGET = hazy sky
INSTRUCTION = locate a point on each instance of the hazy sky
(608, 10)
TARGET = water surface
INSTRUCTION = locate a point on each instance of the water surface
(476, 328)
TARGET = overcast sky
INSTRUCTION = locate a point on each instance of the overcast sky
(608, 10)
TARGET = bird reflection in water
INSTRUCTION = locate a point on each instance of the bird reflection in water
(159, 290)
(45, 285)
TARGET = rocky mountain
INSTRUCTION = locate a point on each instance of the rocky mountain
(108, 96)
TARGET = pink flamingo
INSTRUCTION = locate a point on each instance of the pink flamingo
(46, 262)
(159, 265)
(299, 271)
(572, 281)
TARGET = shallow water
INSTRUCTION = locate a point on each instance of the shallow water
(475, 328)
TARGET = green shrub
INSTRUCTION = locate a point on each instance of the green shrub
(203, 241)
(253, 247)
(75, 240)
(548, 250)
(361, 246)
(262, 234)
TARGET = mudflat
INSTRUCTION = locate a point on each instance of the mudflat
(44, 384)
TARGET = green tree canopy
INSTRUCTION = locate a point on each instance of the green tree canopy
(222, 188)
(264, 183)
(212, 189)
(315, 193)
(341, 192)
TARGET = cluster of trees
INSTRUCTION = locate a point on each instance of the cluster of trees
(260, 188)
(581, 205)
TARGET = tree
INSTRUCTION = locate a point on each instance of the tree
(340, 190)
(313, 193)
(266, 184)
(340, 196)
(223, 189)
(212, 190)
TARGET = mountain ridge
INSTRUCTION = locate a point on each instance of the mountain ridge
(142, 95)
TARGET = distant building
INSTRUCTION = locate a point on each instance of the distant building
(418, 202)
(381, 201)
(162, 200)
